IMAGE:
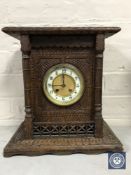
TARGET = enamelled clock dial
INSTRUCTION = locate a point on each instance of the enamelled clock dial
(63, 84)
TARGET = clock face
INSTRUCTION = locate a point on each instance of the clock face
(63, 84)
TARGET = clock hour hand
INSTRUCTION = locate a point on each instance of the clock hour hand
(57, 85)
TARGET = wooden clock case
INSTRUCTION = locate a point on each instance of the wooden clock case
(49, 128)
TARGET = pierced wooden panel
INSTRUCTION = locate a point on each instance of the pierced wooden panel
(58, 129)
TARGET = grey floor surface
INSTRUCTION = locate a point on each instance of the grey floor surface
(76, 164)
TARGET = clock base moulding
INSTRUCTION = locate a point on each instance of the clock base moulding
(51, 128)
(19, 145)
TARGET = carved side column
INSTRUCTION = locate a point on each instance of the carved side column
(26, 49)
(98, 85)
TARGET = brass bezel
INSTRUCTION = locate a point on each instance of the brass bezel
(45, 84)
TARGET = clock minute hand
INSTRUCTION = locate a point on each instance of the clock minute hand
(63, 80)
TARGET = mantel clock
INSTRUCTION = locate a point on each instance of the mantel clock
(62, 72)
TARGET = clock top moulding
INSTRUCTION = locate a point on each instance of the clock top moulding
(23, 142)
(16, 31)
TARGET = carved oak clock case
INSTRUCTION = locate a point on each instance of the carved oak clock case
(62, 72)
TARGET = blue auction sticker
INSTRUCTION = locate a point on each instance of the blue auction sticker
(117, 160)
